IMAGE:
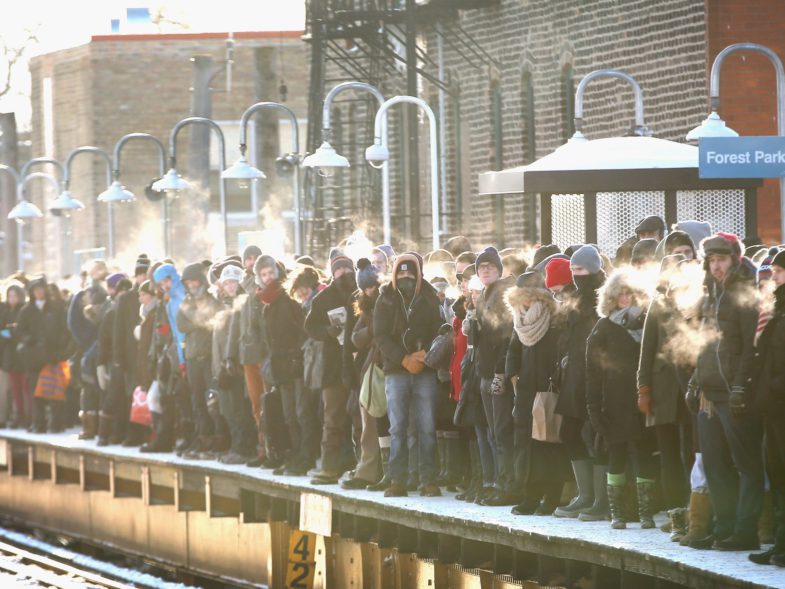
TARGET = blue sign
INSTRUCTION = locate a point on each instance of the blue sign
(741, 157)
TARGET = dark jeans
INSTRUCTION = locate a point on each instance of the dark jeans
(733, 459)
(498, 412)
(775, 467)
(307, 404)
(236, 409)
(674, 470)
(199, 377)
(571, 433)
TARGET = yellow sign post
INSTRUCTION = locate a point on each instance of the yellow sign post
(301, 564)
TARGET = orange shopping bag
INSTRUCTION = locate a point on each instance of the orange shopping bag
(52, 382)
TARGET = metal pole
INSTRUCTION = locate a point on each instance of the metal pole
(296, 204)
(413, 158)
(714, 90)
(640, 126)
(327, 135)
(381, 114)
(221, 156)
(20, 262)
(442, 123)
(108, 161)
(161, 170)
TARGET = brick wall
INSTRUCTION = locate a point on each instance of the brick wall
(661, 44)
(747, 83)
(118, 85)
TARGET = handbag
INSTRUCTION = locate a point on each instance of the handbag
(372, 395)
(140, 410)
(545, 421)
(52, 382)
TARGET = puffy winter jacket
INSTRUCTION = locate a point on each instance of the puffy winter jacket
(768, 365)
(175, 298)
(495, 328)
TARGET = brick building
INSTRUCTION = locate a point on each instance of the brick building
(95, 93)
(512, 101)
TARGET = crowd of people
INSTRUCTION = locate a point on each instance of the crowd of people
(561, 383)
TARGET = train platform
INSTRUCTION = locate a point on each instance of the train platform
(178, 511)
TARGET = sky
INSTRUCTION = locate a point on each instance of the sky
(59, 24)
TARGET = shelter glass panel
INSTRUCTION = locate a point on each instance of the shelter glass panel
(567, 214)
(724, 209)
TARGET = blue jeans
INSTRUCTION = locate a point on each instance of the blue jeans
(417, 391)
(733, 460)
(501, 431)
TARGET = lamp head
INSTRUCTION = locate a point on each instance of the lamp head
(242, 170)
(153, 195)
(171, 182)
(24, 211)
(377, 155)
(325, 160)
(116, 192)
(712, 126)
(65, 204)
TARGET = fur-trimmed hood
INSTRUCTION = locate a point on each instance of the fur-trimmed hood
(618, 280)
(516, 296)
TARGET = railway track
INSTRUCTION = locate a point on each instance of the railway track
(31, 567)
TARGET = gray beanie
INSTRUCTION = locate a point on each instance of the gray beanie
(587, 257)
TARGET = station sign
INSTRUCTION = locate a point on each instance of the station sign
(741, 157)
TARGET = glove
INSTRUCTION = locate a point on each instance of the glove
(497, 384)
(644, 400)
(333, 331)
(737, 401)
(414, 363)
(692, 398)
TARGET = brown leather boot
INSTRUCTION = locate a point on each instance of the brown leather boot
(89, 421)
(699, 517)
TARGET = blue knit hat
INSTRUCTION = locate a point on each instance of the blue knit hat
(367, 276)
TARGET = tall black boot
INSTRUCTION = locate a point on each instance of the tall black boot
(386, 481)
(105, 423)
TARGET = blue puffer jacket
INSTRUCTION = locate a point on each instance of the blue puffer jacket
(176, 296)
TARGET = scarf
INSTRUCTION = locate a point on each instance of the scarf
(532, 324)
(270, 294)
(631, 319)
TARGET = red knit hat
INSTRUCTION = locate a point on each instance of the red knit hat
(557, 273)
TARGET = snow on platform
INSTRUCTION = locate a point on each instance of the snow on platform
(455, 515)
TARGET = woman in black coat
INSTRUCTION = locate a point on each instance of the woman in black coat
(10, 361)
(43, 340)
(532, 358)
(612, 353)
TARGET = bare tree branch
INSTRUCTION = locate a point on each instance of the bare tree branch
(10, 56)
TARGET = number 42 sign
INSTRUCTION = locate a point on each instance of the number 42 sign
(301, 561)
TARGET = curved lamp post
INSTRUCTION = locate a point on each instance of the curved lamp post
(378, 153)
(173, 183)
(242, 170)
(108, 163)
(714, 126)
(29, 210)
(116, 192)
(325, 159)
(23, 211)
(639, 128)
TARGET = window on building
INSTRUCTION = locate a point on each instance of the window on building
(527, 112)
(568, 101)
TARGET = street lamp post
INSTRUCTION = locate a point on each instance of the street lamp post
(24, 202)
(639, 128)
(325, 158)
(23, 211)
(116, 192)
(714, 126)
(173, 182)
(108, 163)
(378, 153)
(241, 170)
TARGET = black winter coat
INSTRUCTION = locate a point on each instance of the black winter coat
(43, 335)
(580, 320)
(534, 366)
(284, 335)
(768, 366)
(495, 322)
(657, 368)
(316, 325)
(124, 344)
(106, 335)
(611, 392)
(729, 310)
(392, 318)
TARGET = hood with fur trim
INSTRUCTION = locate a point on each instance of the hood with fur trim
(516, 296)
(620, 279)
(409, 258)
